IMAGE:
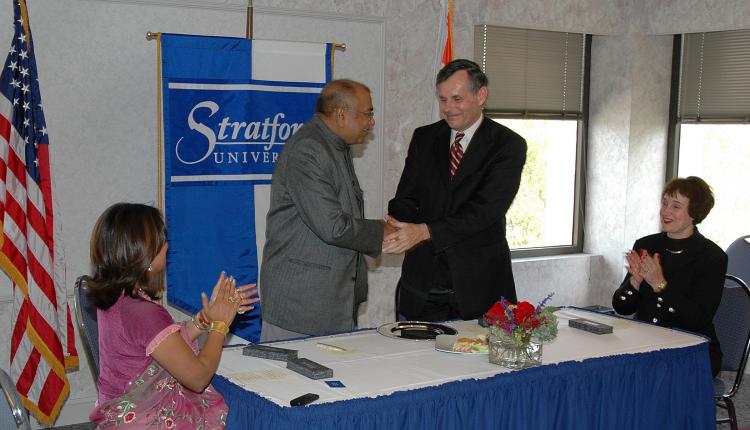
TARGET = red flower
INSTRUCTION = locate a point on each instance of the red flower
(497, 315)
(523, 311)
(496, 311)
(129, 417)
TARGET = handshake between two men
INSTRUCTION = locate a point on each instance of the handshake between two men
(400, 236)
(458, 267)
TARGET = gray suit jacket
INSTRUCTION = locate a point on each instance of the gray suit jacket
(313, 275)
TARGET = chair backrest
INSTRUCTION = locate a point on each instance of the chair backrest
(12, 413)
(739, 258)
(732, 323)
(87, 324)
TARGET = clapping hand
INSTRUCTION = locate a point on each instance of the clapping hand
(227, 300)
(650, 269)
(644, 267)
(634, 268)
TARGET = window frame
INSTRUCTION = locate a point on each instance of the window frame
(579, 193)
(673, 130)
(675, 121)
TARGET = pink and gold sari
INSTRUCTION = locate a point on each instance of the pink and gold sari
(156, 400)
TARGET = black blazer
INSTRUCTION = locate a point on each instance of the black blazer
(465, 215)
(694, 270)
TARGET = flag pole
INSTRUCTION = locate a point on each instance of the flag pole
(444, 53)
(150, 35)
(249, 22)
(159, 131)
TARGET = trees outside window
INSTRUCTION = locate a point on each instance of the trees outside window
(542, 214)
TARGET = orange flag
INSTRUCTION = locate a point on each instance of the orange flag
(447, 56)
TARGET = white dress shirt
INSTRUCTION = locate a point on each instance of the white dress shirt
(468, 134)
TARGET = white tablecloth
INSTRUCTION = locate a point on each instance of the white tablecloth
(373, 365)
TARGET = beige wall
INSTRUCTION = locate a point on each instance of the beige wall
(98, 83)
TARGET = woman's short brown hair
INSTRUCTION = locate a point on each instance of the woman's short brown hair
(697, 191)
(125, 240)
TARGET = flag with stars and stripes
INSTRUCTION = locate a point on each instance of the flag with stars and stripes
(42, 340)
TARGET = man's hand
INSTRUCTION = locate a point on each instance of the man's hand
(388, 229)
(406, 236)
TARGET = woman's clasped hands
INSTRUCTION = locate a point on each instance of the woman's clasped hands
(228, 300)
(644, 267)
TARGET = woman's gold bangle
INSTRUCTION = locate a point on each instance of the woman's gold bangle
(199, 323)
(219, 326)
(662, 285)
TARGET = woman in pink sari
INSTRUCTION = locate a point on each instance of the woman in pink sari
(152, 373)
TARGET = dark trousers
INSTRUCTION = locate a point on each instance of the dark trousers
(437, 307)
(440, 302)
(440, 307)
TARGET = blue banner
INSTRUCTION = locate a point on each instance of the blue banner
(225, 123)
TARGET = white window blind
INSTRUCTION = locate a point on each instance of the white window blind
(532, 73)
(715, 77)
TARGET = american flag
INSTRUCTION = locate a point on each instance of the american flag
(42, 341)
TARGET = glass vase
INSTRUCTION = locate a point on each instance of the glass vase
(506, 353)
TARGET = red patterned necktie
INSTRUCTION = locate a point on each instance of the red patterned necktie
(457, 152)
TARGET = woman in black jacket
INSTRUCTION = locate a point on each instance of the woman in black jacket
(676, 277)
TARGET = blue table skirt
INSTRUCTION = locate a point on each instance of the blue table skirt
(668, 389)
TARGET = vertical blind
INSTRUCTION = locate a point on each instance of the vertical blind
(531, 72)
(715, 77)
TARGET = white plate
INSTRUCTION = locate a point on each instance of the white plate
(444, 343)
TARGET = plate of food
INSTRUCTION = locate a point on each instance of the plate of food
(458, 344)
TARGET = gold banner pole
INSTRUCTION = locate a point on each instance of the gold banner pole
(150, 35)
(249, 22)
(159, 135)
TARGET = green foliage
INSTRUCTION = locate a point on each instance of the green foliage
(548, 330)
(524, 223)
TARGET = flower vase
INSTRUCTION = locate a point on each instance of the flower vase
(507, 353)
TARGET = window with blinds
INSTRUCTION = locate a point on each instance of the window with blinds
(715, 77)
(538, 85)
(709, 124)
(532, 73)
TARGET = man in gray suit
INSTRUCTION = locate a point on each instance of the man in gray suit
(314, 275)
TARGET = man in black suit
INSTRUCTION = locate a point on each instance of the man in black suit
(460, 178)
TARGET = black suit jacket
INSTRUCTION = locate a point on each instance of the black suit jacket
(465, 215)
(695, 283)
